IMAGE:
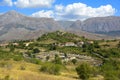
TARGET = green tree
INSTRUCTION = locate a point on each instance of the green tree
(84, 71)
(12, 48)
(96, 45)
(118, 45)
(51, 68)
(65, 55)
(47, 58)
(36, 50)
(52, 47)
(74, 61)
(57, 60)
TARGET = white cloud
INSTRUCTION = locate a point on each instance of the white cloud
(76, 11)
(59, 8)
(33, 3)
(6, 2)
(48, 14)
(82, 11)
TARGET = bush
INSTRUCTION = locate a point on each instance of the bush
(7, 77)
(51, 68)
(111, 70)
(22, 67)
(85, 71)
(111, 75)
(17, 58)
(47, 58)
(74, 61)
(33, 60)
(57, 59)
(36, 50)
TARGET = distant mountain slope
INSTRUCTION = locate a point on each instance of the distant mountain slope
(21, 34)
(14, 25)
(98, 24)
(92, 36)
(13, 19)
(65, 24)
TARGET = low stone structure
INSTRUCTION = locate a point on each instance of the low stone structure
(65, 58)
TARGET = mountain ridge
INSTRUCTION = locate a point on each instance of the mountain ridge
(12, 23)
(99, 24)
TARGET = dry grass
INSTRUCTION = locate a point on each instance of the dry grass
(31, 72)
(49, 41)
(111, 44)
(99, 77)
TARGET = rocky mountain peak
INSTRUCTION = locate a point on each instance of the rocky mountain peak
(13, 14)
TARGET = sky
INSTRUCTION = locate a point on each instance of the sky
(63, 9)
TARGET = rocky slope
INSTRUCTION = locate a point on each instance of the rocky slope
(13, 19)
(98, 24)
(14, 25)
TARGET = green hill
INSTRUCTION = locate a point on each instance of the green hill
(56, 55)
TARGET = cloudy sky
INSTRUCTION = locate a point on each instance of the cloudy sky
(63, 9)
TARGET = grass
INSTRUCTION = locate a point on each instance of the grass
(99, 77)
(111, 44)
(31, 72)
(29, 75)
(49, 41)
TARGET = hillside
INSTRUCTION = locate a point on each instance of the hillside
(60, 55)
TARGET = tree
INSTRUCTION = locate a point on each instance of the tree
(65, 55)
(53, 47)
(51, 68)
(118, 45)
(84, 71)
(74, 61)
(12, 48)
(96, 45)
(57, 60)
(47, 58)
(110, 69)
(36, 50)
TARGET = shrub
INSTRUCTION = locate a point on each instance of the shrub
(47, 58)
(57, 59)
(118, 45)
(7, 77)
(17, 58)
(111, 70)
(74, 61)
(33, 60)
(22, 67)
(85, 71)
(36, 50)
(51, 68)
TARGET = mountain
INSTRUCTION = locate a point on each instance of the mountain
(101, 25)
(16, 20)
(76, 25)
(14, 25)
(65, 24)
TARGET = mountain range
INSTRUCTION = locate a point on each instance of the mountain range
(14, 25)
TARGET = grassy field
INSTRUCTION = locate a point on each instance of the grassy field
(28, 71)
